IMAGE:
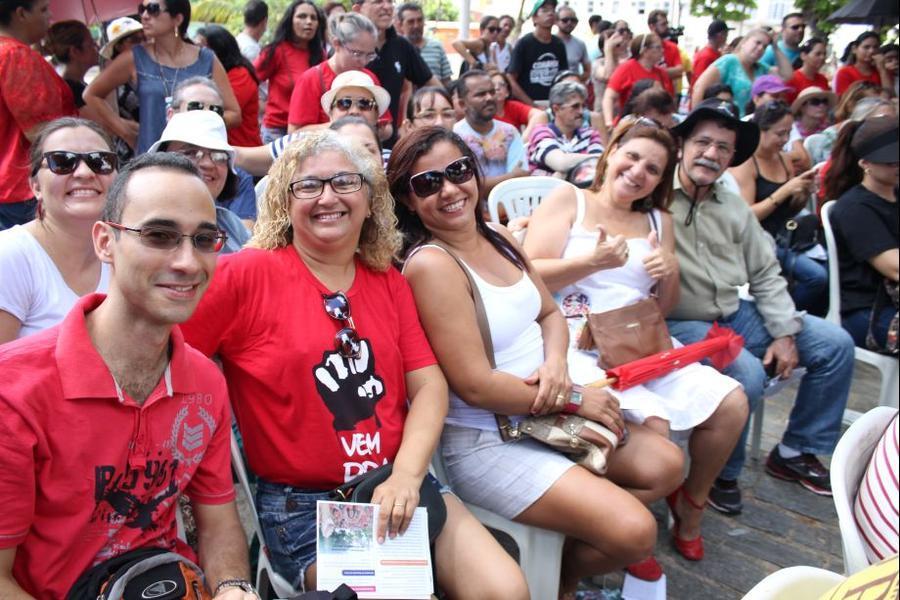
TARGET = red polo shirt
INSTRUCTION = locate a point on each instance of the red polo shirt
(671, 53)
(630, 72)
(704, 57)
(85, 475)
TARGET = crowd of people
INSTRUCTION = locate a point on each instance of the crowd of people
(341, 162)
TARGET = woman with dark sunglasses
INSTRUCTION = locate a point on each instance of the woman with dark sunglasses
(433, 175)
(47, 264)
(158, 65)
(328, 369)
(477, 53)
(613, 245)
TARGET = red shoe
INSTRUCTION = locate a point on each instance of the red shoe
(648, 569)
(690, 549)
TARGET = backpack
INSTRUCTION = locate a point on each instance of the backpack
(142, 574)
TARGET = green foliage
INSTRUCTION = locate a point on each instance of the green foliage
(440, 10)
(727, 10)
(227, 13)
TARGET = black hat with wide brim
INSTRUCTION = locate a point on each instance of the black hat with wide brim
(715, 109)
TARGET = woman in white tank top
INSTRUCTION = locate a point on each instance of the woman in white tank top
(432, 176)
(611, 246)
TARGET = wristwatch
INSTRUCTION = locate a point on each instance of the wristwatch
(241, 584)
(575, 400)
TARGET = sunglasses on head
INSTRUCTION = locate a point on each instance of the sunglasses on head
(152, 8)
(363, 104)
(197, 105)
(426, 183)
(346, 341)
(159, 237)
(61, 162)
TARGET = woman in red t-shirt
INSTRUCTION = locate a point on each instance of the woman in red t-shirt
(812, 57)
(865, 64)
(328, 369)
(510, 111)
(244, 83)
(646, 52)
(298, 44)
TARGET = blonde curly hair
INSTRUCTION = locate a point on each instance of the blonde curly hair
(379, 241)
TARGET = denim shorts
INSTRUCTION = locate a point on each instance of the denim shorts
(287, 516)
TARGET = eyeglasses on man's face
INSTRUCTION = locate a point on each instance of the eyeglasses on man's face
(160, 237)
(363, 104)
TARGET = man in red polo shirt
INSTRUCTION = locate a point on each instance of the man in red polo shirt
(108, 417)
(717, 35)
(658, 22)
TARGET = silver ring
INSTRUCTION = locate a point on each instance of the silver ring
(399, 503)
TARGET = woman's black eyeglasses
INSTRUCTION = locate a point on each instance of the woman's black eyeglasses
(197, 105)
(346, 341)
(168, 238)
(151, 8)
(312, 187)
(426, 183)
(363, 104)
(63, 163)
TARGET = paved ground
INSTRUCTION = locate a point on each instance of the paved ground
(782, 524)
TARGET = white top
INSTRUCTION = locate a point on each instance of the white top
(249, 47)
(501, 56)
(512, 313)
(33, 290)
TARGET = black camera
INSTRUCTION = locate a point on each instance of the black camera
(675, 33)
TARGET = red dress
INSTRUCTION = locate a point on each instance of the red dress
(247, 92)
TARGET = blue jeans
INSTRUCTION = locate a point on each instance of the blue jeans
(809, 279)
(824, 349)
(856, 322)
(16, 213)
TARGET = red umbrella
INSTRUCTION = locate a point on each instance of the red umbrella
(89, 11)
(721, 346)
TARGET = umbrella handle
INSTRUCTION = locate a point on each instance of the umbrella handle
(603, 382)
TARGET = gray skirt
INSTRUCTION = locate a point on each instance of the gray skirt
(503, 477)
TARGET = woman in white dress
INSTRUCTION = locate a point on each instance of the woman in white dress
(48, 263)
(611, 246)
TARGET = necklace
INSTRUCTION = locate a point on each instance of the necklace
(167, 87)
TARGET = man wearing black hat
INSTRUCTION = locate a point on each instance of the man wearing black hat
(720, 247)
(717, 35)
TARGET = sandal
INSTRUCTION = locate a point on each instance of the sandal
(690, 549)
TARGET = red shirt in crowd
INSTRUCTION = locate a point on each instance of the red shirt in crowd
(282, 72)
(246, 90)
(671, 53)
(309, 417)
(704, 57)
(800, 82)
(86, 474)
(848, 75)
(515, 113)
(30, 93)
(630, 72)
(306, 106)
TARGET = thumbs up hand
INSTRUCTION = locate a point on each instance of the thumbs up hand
(610, 252)
(659, 262)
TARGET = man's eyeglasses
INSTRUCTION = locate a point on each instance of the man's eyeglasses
(195, 155)
(569, 20)
(703, 144)
(367, 56)
(312, 187)
(493, 29)
(426, 183)
(61, 162)
(168, 238)
(151, 8)
(798, 26)
(363, 104)
(346, 341)
(197, 105)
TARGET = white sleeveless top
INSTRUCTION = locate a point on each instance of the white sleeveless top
(512, 313)
(609, 288)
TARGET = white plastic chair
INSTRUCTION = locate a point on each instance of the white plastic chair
(540, 550)
(268, 582)
(520, 196)
(848, 464)
(795, 583)
(888, 366)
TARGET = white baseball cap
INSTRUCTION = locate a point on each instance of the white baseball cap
(360, 80)
(202, 128)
